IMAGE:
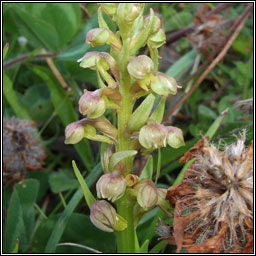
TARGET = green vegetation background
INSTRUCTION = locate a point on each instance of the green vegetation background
(47, 208)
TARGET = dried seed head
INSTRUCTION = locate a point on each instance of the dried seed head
(215, 199)
(21, 148)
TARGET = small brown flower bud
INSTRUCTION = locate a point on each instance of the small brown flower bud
(129, 11)
(147, 196)
(103, 215)
(92, 105)
(111, 186)
(140, 67)
(164, 84)
(153, 136)
(74, 133)
(175, 137)
(97, 37)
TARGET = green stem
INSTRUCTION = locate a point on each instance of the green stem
(125, 238)
(158, 165)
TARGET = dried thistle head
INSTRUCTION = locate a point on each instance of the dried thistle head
(21, 148)
(214, 202)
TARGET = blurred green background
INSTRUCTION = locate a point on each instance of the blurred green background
(43, 82)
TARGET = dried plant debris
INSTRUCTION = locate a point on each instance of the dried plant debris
(214, 202)
(246, 106)
(208, 30)
(21, 148)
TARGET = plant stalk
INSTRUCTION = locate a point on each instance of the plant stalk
(125, 238)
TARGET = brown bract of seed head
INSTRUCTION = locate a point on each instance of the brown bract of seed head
(214, 202)
(22, 148)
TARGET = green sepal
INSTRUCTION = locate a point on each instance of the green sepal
(110, 104)
(119, 156)
(141, 39)
(121, 223)
(90, 133)
(157, 115)
(147, 171)
(101, 21)
(99, 80)
(140, 116)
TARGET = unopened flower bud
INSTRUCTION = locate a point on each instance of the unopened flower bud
(153, 136)
(129, 11)
(156, 23)
(147, 195)
(97, 37)
(140, 67)
(109, 8)
(103, 215)
(74, 133)
(164, 84)
(92, 105)
(90, 59)
(111, 186)
(158, 39)
(175, 137)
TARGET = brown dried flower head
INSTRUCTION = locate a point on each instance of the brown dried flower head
(214, 202)
(21, 148)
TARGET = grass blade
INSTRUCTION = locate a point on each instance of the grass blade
(72, 204)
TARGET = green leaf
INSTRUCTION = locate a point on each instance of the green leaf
(147, 171)
(28, 191)
(181, 64)
(62, 180)
(78, 229)
(38, 32)
(182, 172)
(216, 124)
(5, 50)
(61, 223)
(16, 248)
(42, 178)
(140, 116)
(157, 115)
(206, 112)
(63, 106)
(37, 101)
(43, 28)
(18, 108)
(14, 226)
(144, 247)
(119, 156)
(21, 216)
(243, 44)
(89, 198)
(78, 47)
(159, 246)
